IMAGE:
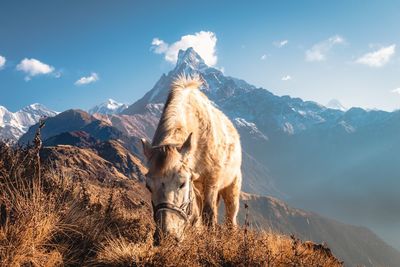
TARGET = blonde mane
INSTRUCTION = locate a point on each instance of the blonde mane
(172, 120)
(184, 81)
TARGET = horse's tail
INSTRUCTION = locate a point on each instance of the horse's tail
(183, 81)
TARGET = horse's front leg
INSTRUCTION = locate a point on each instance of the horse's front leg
(210, 211)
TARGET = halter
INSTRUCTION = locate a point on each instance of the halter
(184, 210)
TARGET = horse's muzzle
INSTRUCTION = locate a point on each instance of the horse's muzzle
(160, 235)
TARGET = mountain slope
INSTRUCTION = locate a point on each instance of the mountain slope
(14, 125)
(76, 126)
(107, 160)
(355, 245)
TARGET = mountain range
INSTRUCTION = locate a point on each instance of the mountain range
(341, 163)
(14, 124)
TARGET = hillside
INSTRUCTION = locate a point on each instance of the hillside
(84, 211)
(109, 164)
(74, 126)
(353, 244)
(107, 160)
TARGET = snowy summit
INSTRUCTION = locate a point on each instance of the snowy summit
(108, 108)
(335, 104)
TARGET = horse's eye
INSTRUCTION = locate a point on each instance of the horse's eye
(148, 187)
(182, 185)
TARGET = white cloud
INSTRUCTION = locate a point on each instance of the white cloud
(2, 62)
(396, 91)
(286, 78)
(203, 42)
(159, 46)
(319, 51)
(33, 67)
(379, 57)
(263, 57)
(281, 43)
(93, 77)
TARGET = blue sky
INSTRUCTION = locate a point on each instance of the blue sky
(75, 54)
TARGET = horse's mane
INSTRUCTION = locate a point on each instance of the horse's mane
(172, 113)
(184, 81)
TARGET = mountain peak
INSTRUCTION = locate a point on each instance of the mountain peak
(111, 101)
(35, 107)
(190, 58)
(335, 104)
(109, 107)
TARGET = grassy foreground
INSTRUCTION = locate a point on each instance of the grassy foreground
(48, 218)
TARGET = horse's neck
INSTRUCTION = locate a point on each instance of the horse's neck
(176, 122)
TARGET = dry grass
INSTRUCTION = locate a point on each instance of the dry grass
(56, 220)
(220, 248)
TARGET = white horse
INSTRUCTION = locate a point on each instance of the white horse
(194, 159)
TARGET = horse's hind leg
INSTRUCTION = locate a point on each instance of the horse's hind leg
(231, 195)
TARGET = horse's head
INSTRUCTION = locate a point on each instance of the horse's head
(170, 181)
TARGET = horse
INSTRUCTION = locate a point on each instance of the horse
(194, 160)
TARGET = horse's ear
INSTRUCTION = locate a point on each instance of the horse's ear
(146, 148)
(187, 145)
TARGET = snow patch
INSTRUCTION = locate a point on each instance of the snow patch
(335, 104)
(250, 127)
(109, 107)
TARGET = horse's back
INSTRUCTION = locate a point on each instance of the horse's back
(223, 148)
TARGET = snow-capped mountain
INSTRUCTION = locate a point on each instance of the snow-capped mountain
(240, 100)
(335, 104)
(109, 107)
(14, 124)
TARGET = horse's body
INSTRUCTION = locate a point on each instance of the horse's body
(194, 144)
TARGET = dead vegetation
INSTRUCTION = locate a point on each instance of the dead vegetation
(48, 218)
